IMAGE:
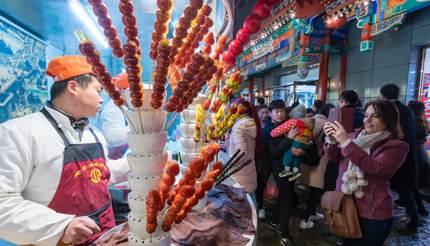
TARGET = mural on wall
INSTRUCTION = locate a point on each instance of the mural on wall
(23, 84)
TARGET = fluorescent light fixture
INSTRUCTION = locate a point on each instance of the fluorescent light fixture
(83, 15)
(147, 6)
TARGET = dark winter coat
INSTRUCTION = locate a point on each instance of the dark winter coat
(406, 175)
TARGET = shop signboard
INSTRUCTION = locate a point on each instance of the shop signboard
(386, 14)
(424, 92)
(386, 9)
(278, 39)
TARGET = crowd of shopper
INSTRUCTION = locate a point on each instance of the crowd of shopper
(385, 147)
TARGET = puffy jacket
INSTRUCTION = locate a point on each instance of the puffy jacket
(243, 137)
(385, 158)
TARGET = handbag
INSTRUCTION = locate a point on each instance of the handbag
(341, 214)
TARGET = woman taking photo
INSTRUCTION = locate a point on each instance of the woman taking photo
(375, 152)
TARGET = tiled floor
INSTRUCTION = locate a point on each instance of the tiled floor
(319, 236)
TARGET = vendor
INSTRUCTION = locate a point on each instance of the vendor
(113, 123)
(54, 176)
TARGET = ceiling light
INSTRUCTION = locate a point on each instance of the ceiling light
(82, 14)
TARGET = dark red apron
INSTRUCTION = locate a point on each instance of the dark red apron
(83, 188)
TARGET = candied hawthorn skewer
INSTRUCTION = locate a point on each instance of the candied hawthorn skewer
(88, 49)
(153, 202)
(104, 20)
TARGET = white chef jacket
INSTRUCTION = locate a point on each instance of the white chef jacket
(31, 163)
(113, 125)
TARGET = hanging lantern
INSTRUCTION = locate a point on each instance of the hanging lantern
(243, 36)
(235, 47)
(262, 10)
(228, 58)
(303, 67)
(252, 23)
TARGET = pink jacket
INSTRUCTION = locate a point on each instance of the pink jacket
(385, 158)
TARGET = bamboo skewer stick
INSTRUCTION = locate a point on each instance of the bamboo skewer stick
(230, 165)
(164, 122)
(175, 114)
(233, 172)
(140, 119)
(152, 120)
(133, 128)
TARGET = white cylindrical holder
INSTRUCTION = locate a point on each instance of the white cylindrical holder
(187, 129)
(137, 203)
(152, 120)
(146, 143)
(137, 226)
(134, 240)
(142, 185)
(189, 145)
(147, 161)
(188, 116)
(147, 164)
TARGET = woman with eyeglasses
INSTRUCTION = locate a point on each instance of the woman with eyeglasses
(372, 154)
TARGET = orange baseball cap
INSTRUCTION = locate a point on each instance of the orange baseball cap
(121, 81)
(66, 67)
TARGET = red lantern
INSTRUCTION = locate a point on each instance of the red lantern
(228, 58)
(243, 36)
(235, 47)
(252, 23)
(366, 33)
(262, 10)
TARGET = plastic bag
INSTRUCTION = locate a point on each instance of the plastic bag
(271, 192)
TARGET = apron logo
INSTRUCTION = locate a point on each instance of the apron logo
(96, 175)
(91, 166)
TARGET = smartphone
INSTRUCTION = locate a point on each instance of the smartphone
(345, 116)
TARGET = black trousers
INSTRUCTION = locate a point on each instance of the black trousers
(408, 199)
(286, 203)
(313, 201)
(262, 178)
(374, 233)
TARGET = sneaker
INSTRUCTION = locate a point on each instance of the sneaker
(304, 225)
(285, 173)
(317, 216)
(261, 214)
(286, 242)
(294, 177)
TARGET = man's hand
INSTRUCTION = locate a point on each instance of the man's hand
(79, 230)
(292, 133)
